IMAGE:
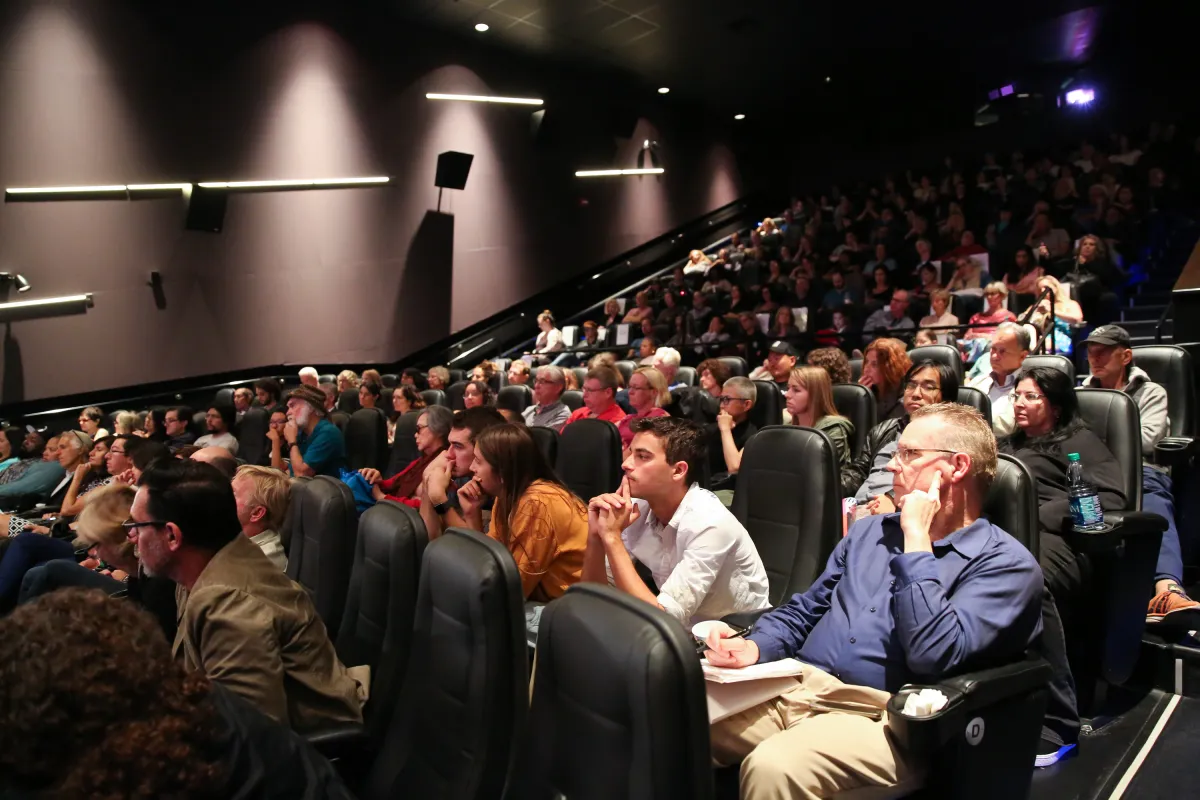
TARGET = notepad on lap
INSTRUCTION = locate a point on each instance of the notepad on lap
(784, 668)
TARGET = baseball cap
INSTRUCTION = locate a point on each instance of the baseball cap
(783, 348)
(311, 395)
(1110, 335)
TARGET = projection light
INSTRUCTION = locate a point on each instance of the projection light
(739, 116)
(482, 27)
(484, 98)
(664, 89)
(104, 192)
(608, 173)
(46, 307)
(1080, 97)
(306, 183)
(8, 279)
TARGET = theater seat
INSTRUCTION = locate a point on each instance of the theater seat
(340, 419)
(686, 376)
(292, 514)
(547, 441)
(348, 401)
(736, 364)
(457, 375)
(1060, 363)
(857, 404)
(1171, 367)
(589, 457)
(768, 407)
(573, 400)
(939, 354)
(788, 497)
(366, 440)
(377, 624)
(251, 432)
(618, 707)
(515, 397)
(324, 533)
(1011, 503)
(390, 380)
(626, 369)
(223, 397)
(856, 365)
(977, 400)
(327, 378)
(454, 395)
(404, 444)
(434, 397)
(462, 707)
(580, 374)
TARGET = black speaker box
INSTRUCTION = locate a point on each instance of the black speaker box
(206, 210)
(452, 169)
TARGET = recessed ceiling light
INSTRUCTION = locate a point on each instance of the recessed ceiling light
(739, 116)
(664, 89)
(481, 27)
(828, 79)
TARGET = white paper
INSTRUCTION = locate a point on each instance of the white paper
(727, 699)
(801, 317)
(568, 335)
(784, 668)
(622, 335)
(764, 322)
(924, 703)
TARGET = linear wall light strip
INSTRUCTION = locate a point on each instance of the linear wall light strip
(609, 173)
(294, 184)
(45, 307)
(485, 98)
(106, 192)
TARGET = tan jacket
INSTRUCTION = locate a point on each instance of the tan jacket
(255, 631)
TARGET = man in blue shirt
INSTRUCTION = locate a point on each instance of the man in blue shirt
(315, 445)
(905, 598)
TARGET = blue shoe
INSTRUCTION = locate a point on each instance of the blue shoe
(1050, 753)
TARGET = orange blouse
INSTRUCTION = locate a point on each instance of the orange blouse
(548, 539)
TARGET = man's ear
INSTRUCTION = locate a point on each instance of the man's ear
(679, 471)
(174, 536)
(962, 467)
(258, 514)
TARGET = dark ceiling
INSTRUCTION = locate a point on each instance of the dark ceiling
(773, 56)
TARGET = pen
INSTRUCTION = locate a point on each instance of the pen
(738, 633)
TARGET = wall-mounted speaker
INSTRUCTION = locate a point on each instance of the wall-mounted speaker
(452, 169)
(206, 210)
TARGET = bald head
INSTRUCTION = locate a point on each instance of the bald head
(219, 457)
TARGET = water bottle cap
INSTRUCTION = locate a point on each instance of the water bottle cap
(1072, 456)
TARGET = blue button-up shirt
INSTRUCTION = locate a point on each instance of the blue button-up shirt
(881, 617)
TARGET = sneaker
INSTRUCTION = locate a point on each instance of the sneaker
(1171, 607)
(1050, 753)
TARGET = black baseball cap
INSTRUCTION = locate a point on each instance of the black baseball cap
(783, 348)
(1110, 335)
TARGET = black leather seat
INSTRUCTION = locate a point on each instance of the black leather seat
(515, 397)
(1060, 363)
(626, 369)
(377, 624)
(463, 704)
(253, 447)
(404, 443)
(686, 376)
(385, 398)
(454, 395)
(328, 377)
(736, 364)
(977, 400)
(547, 441)
(1011, 503)
(580, 375)
(457, 375)
(390, 381)
(293, 512)
(856, 365)
(434, 397)
(366, 439)
(939, 354)
(340, 419)
(589, 457)
(768, 407)
(857, 404)
(573, 399)
(324, 533)
(788, 497)
(223, 397)
(348, 401)
(1170, 366)
(618, 708)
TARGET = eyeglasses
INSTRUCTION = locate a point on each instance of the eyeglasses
(421, 427)
(925, 387)
(546, 382)
(116, 452)
(727, 400)
(131, 524)
(905, 455)
(1028, 397)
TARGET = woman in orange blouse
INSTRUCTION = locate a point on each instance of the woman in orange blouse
(536, 517)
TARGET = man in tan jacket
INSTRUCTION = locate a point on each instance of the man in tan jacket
(243, 622)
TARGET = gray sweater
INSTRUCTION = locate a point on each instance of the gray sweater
(1151, 399)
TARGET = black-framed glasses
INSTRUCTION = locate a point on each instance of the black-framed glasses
(131, 525)
(727, 400)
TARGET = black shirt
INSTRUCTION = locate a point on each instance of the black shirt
(716, 454)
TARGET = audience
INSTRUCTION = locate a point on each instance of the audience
(809, 399)
(728, 437)
(405, 398)
(995, 295)
(452, 469)
(369, 394)
(940, 316)
(219, 421)
(90, 421)
(599, 397)
(433, 430)
(833, 361)
(314, 444)
(175, 426)
(931, 592)
(778, 366)
(519, 373)
(242, 622)
(477, 393)
(893, 317)
(309, 377)
(549, 339)
(702, 559)
(243, 398)
(267, 393)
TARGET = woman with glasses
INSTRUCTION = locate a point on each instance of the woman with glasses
(809, 399)
(927, 382)
(647, 394)
(90, 421)
(1048, 431)
(433, 430)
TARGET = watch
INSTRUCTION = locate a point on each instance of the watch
(441, 508)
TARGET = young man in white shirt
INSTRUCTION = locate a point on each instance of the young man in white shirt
(702, 559)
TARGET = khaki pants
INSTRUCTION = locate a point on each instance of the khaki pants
(806, 744)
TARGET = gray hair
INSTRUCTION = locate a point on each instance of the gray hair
(666, 357)
(1019, 332)
(439, 420)
(552, 374)
(308, 372)
(744, 387)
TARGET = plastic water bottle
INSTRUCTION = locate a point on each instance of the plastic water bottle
(1086, 512)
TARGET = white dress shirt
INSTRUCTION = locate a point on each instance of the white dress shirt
(272, 547)
(703, 560)
(1000, 393)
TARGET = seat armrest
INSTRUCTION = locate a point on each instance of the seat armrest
(988, 686)
(1174, 451)
(1118, 526)
(338, 741)
(744, 619)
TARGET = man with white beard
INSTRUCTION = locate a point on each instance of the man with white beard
(315, 445)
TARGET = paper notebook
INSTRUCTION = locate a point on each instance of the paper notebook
(784, 668)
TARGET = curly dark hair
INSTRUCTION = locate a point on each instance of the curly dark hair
(93, 706)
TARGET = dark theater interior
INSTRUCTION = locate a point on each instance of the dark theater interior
(599, 399)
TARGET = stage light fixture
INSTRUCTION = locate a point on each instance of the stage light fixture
(484, 98)
(607, 173)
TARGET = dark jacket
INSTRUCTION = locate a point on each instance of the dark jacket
(1048, 463)
(859, 467)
